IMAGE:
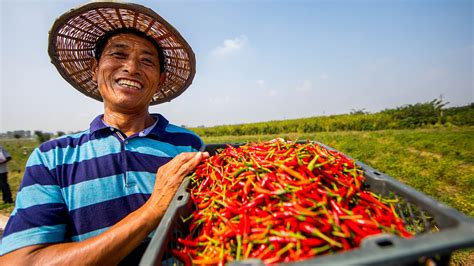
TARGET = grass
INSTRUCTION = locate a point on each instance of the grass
(438, 162)
(20, 150)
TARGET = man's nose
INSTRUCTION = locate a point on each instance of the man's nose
(132, 66)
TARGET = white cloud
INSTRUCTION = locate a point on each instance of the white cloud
(306, 86)
(260, 82)
(219, 100)
(272, 93)
(231, 45)
(323, 76)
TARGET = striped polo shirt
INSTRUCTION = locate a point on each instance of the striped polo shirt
(78, 186)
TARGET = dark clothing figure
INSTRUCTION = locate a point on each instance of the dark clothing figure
(6, 192)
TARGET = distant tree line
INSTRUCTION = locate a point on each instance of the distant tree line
(432, 113)
(26, 134)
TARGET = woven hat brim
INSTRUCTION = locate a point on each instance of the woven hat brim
(73, 36)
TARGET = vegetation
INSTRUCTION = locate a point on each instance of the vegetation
(426, 146)
(436, 161)
(420, 115)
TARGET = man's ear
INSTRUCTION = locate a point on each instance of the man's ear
(162, 80)
(94, 66)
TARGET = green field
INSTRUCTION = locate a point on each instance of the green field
(436, 161)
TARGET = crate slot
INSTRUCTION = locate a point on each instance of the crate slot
(439, 229)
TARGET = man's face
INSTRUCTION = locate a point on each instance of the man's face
(128, 73)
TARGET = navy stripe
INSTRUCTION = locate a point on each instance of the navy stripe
(180, 139)
(144, 162)
(90, 169)
(72, 142)
(95, 168)
(35, 216)
(38, 174)
(105, 214)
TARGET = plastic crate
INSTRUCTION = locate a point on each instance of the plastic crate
(440, 229)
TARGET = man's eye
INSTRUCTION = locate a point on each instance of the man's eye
(118, 54)
(148, 62)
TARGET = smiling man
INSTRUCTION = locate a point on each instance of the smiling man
(95, 197)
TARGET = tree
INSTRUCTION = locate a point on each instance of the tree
(42, 137)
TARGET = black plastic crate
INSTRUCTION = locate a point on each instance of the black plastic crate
(439, 229)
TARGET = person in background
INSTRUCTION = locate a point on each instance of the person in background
(6, 192)
(95, 197)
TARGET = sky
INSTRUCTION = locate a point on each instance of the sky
(259, 60)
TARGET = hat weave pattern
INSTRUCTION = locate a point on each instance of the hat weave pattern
(73, 37)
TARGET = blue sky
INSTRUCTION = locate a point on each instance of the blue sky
(260, 60)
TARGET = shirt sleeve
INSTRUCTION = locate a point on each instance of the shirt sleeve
(3, 155)
(40, 215)
(5, 152)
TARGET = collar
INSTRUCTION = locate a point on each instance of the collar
(158, 128)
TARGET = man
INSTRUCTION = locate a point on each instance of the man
(93, 197)
(6, 192)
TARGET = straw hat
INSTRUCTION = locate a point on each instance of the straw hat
(73, 37)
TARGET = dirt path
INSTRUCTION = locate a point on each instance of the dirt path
(3, 223)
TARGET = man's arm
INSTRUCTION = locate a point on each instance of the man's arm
(118, 241)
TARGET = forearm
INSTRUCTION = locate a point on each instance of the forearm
(107, 248)
(118, 241)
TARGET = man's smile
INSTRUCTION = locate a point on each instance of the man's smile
(129, 83)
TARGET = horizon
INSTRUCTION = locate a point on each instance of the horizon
(260, 61)
(267, 121)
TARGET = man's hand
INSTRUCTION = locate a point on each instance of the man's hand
(169, 177)
(122, 237)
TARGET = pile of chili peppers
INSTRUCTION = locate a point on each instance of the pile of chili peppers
(280, 201)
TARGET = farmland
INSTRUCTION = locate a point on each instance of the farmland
(438, 161)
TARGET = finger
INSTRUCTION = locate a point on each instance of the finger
(194, 161)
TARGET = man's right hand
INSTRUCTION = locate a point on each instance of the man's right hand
(122, 237)
(169, 177)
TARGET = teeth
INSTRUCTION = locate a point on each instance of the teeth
(130, 83)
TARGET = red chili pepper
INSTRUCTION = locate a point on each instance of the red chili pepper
(302, 199)
(183, 257)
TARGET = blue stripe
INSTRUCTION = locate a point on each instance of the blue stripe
(145, 163)
(36, 159)
(72, 141)
(74, 135)
(156, 148)
(38, 174)
(88, 150)
(33, 236)
(140, 182)
(183, 139)
(105, 214)
(176, 129)
(37, 195)
(87, 170)
(36, 216)
(84, 194)
(89, 235)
